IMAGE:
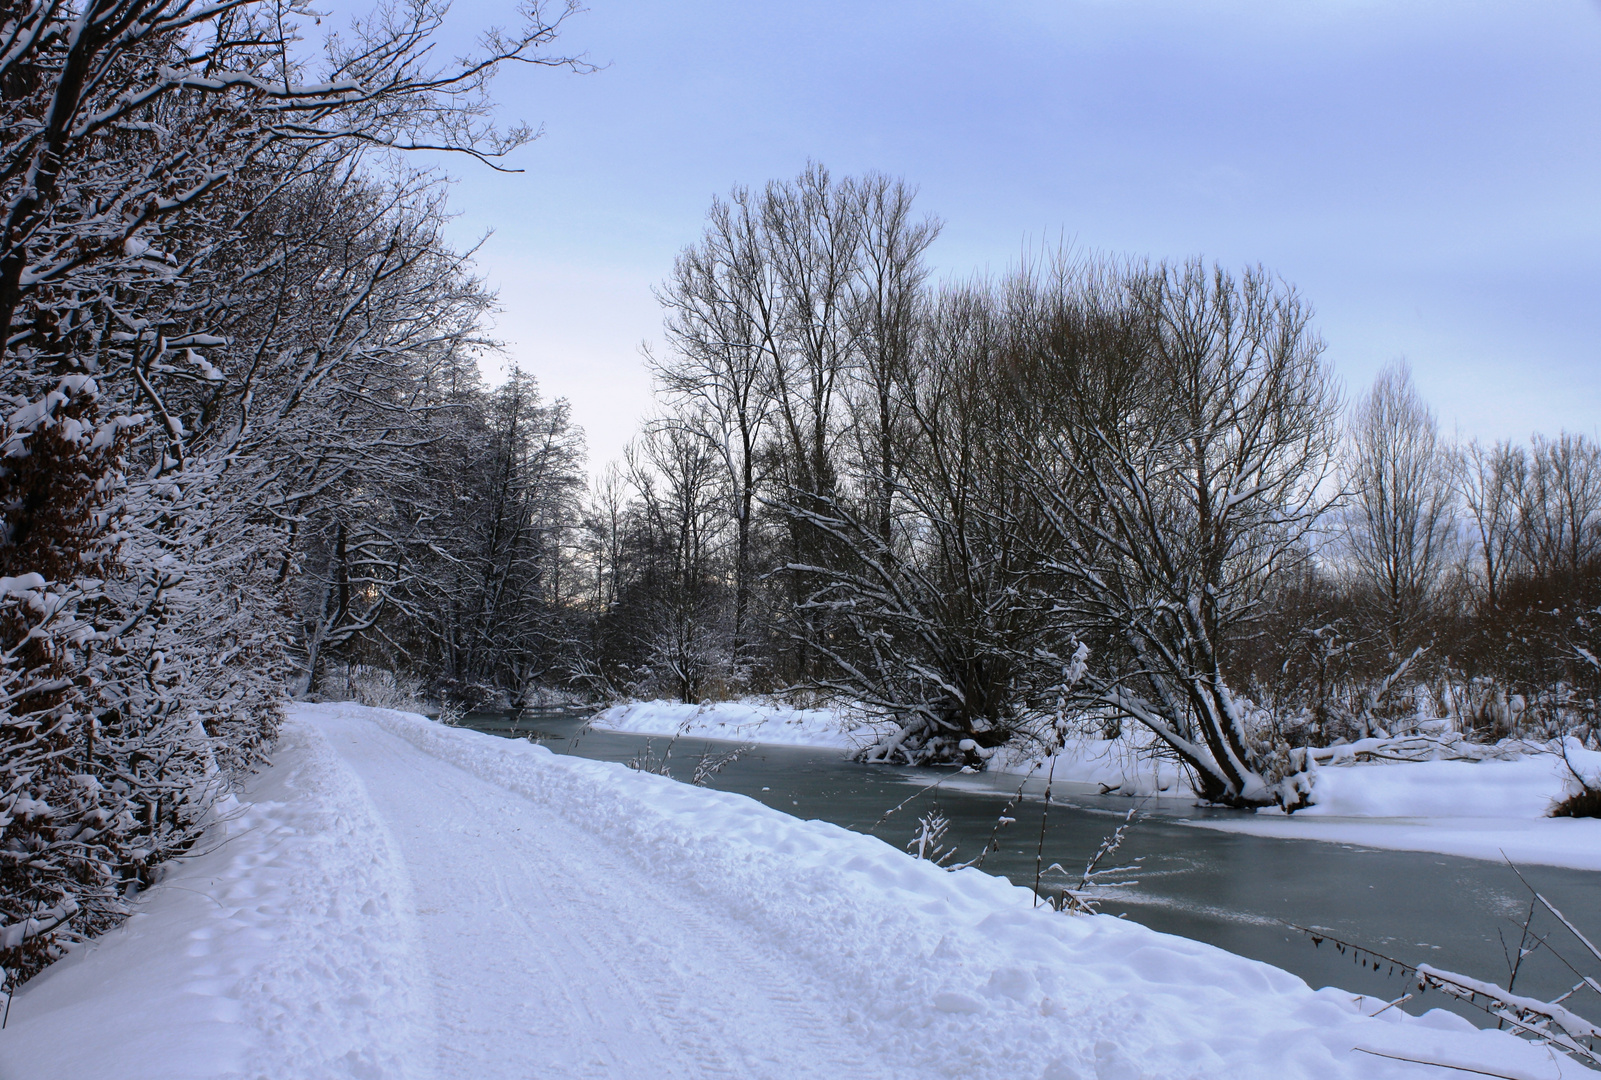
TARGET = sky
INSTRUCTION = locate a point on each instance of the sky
(1426, 172)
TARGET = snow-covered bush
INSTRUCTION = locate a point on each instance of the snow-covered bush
(377, 687)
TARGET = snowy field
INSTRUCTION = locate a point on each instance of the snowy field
(1478, 810)
(395, 898)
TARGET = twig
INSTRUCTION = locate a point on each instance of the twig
(1436, 1064)
(1005, 818)
(1525, 1015)
(916, 794)
(1045, 814)
(1561, 918)
(1513, 966)
(710, 764)
(1077, 899)
(218, 846)
(1398, 1001)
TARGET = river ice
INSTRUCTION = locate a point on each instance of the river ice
(395, 898)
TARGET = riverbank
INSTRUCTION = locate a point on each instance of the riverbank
(400, 899)
(764, 723)
(1490, 809)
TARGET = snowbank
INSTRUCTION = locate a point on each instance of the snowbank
(1521, 782)
(286, 953)
(282, 949)
(1523, 787)
(738, 721)
(1491, 809)
(1126, 766)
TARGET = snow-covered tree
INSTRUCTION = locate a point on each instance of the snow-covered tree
(192, 359)
(934, 619)
(1186, 426)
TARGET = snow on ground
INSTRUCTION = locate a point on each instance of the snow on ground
(1477, 809)
(400, 899)
(284, 949)
(738, 721)
(1483, 809)
(1125, 765)
(1522, 787)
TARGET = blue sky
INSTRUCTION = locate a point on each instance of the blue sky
(1427, 173)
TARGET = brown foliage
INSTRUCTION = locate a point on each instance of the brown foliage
(56, 488)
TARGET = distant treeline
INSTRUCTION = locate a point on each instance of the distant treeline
(1090, 489)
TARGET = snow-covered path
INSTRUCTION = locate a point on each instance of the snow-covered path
(395, 899)
(544, 944)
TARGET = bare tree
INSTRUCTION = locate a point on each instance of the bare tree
(605, 525)
(786, 324)
(724, 328)
(495, 503)
(679, 480)
(1402, 527)
(813, 233)
(886, 302)
(1489, 480)
(1559, 506)
(936, 624)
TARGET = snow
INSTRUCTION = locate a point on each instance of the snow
(397, 898)
(757, 722)
(1479, 810)
(1486, 809)
(1524, 787)
(1125, 765)
(284, 949)
(21, 586)
(1492, 808)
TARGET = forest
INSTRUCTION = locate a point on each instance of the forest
(249, 456)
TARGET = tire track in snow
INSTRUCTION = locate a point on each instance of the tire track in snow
(554, 954)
